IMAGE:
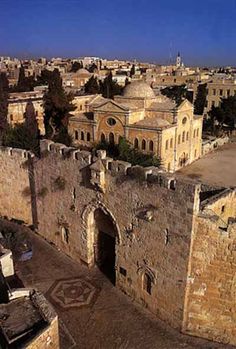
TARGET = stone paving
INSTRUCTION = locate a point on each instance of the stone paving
(93, 314)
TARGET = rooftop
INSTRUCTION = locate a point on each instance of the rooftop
(20, 319)
(217, 168)
(138, 89)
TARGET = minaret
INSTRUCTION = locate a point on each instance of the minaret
(178, 61)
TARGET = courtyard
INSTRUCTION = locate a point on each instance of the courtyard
(217, 168)
(93, 314)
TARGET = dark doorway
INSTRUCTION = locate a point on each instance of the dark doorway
(105, 244)
(106, 255)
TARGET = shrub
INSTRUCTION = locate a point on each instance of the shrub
(125, 152)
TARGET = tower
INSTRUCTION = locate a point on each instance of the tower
(178, 61)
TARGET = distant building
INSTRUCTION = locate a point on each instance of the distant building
(153, 124)
(217, 89)
(20, 102)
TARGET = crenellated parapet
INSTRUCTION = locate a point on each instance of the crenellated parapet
(101, 165)
(48, 147)
(16, 153)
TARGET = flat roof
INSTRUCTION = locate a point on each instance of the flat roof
(217, 168)
(20, 319)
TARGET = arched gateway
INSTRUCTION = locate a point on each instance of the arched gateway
(102, 238)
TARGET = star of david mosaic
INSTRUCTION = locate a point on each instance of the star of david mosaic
(68, 293)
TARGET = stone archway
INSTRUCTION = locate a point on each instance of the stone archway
(103, 236)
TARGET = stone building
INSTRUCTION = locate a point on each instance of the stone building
(217, 89)
(150, 123)
(21, 103)
(77, 79)
(167, 242)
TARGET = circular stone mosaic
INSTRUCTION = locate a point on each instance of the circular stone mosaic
(68, 293)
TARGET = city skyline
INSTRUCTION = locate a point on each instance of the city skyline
(151, 31)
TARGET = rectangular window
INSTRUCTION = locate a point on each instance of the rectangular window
(167, 144)
(147, 283)
(179, 138)
(221, 92)
(171, 143)
(194, 133)
(214, 91)
(228, 93)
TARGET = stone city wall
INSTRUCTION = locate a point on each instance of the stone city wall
(162, 230)
(151, 211)
(210, 307)
(15, 187)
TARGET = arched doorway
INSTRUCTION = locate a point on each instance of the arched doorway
(105, 235)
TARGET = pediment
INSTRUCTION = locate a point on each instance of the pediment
(185, 105)
(111, 106)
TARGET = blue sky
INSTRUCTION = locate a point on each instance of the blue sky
(204, 31)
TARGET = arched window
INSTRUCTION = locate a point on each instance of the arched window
(103, 138)
(136, 143)
(76, 135)
(183, 136)
(187, 136)
(80, 107)
(88, 137)
(179, 139)
(147, 283)
(143, 144)
(171, 143)
(197, 132)
(111, 138)
(151, 146)
(82, 136)
(194, 133)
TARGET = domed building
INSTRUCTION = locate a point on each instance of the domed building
(150, 123)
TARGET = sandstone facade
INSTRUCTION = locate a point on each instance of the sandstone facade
(153, 124)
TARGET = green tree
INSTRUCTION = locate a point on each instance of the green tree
(92, 86)
(22, 137)
(24, 84)
(45, 77)
(176, 93)
(200, 100)
(224, 114)
(92, 68)
(132, 70)
(125, 152)
(57, 106)
(3, 103)
(110, 88)
(76, 66)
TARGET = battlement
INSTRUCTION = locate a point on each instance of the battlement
(151, 175)
(16, 153)
(49, 147)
